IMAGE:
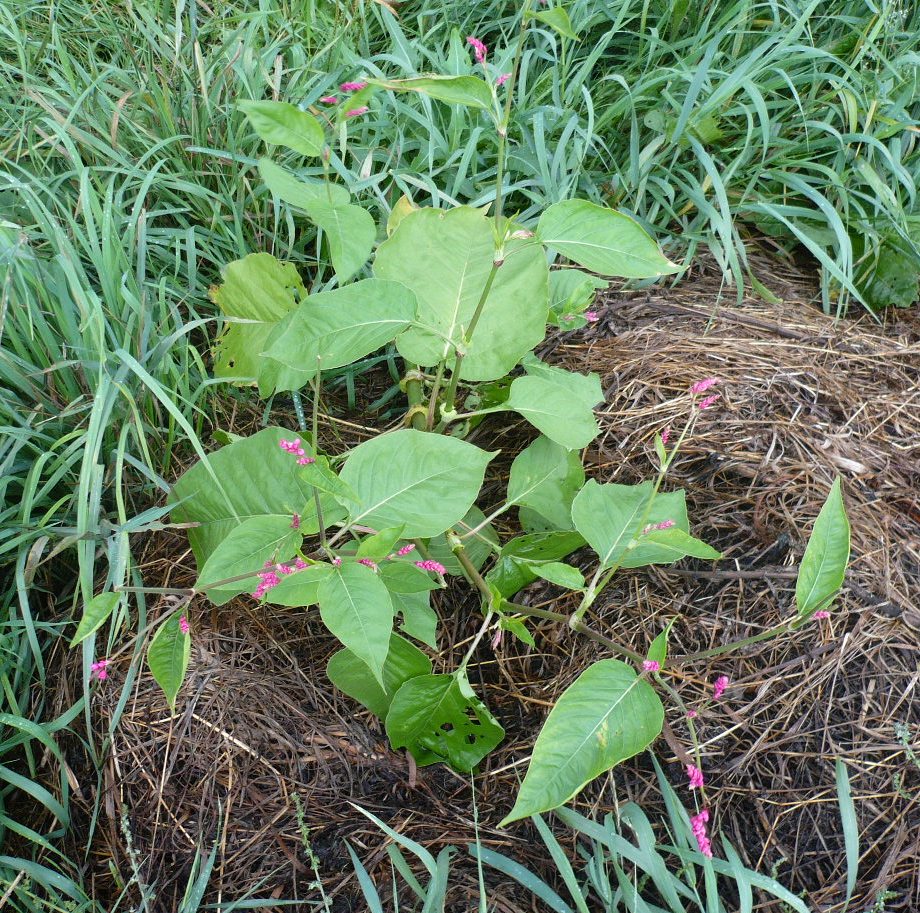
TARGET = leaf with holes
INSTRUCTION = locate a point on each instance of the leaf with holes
(605, 716)
(440, 718)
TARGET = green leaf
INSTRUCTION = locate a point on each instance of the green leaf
(252, 477)
(335, 328)
(257, 292)
(517, 627)
(826, 556)
(611, 518)
(571, 291)
(245, 550)
(677, 544)
(281, 124)
(419, 619)
(561, 574)
(350, 231)
(605, 716)
(356, 607)
(402, 576)
(558, 403)
(301, 588)
(380, 544)
(167, 656)
(95, 614)
(545, 477)
(658, 649)
(602, 240)
(454, 90)
(445, 257)
(850, 825)
(400, 210)
(319, 474)
(427, 482)
(439, 718)
(299, 192)
(349, 674)
(513, 570)
(557, 19)
(478, 547)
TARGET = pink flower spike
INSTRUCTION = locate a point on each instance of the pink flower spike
(300, 564)
(691, 714)
(336, 562)
(479, 49)
(100, 670)
(497, 639)
(665, 524)
(698, 826)
(305, 461)
(820, 616)
(406, 549)
(701, 386)
(695, 775)
(184, 626)
(353, 86)
(368, 563)
(434, 566)
(706, 403)
(650, 665)
(329, 99)
(590, 316)
(357, 112)
(502, 79)
(295, 521)
(718, 688)
(665, 435)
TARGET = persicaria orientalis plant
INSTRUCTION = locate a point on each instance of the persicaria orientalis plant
(466, 297)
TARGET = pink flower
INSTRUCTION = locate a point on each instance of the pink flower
(497, 639)
(329, 99)
(368, 563)
(300, 564)
(352, 86)
(434, 566)
(284, 569)
(184, 626)
(718, 688)
(100, 670)
(706, 403)
(479, 49)
(695, 775)
(698, 825)
(357, 112)
(701, 386)
(295, 521)
(691, 714)
(590, 316)
(269, 579)
(665, 435)
(502, 79)
(650, 665)
(822, 615)
(406, 549)
(665, 524)
(336, 562)
(305, 461)
(292, 446)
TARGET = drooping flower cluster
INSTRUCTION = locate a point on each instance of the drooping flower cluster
(329, 99)
(296, 448)
(434, 566)
(695, 776)
(665, 435)
(501, 80)
(479, 49)
(357, 112)
(706, 403)
(701, 386)
(352, 86)
(718, 688)
(651, 665)
(295, 521)
(271, 576)
(100, 670)
(698, 825)
(822, 615)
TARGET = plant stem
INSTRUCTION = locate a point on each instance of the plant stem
(316, 499)
(413, 383)
(433, 398)
(776, 630)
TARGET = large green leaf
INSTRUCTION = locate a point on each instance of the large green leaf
(602, 240)
(440, 718)
(245, 550)
(281, 124)
(545, 476)
(257, 292)
(356, 607)
(95, 614)
(557, 402)
(826, 556)
(349, 674)
(301, 588)
(167, 656)
(605, 716)
(513, 570)
(454, 90)
(478, 547)
(427, 482)
(299, 192)
(445, 257)
(252, 477)
(335, 328)
(612, 517)
(350, 230)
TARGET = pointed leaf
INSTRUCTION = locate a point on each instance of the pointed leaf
(380, 544)
(167, 656)
(658, 649)
(605, 716)
(454, 90)
(518, 628)
(335, 328)
(95, 614)
(300, 589)
(350, 231)
(419, 619)
(439, 718)
(355, 606)
(400, 210)
(679, 544)
(545, 476)
(445, 257)
(551, 406)
(351, 675)
(602, 240)
(826, 556)
(281, 124)
(557, 19)
(299, 192)
(513, 571)
(561, 574)
(425, 481)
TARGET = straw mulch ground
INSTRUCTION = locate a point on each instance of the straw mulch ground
(803, 400)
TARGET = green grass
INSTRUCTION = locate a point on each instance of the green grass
(127, 179)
